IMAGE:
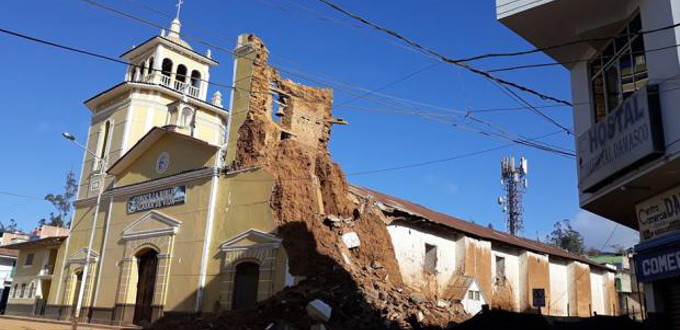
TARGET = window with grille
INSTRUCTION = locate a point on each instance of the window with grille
(618, 70)
(29, 260)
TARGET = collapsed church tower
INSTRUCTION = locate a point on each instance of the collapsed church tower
(238, 217)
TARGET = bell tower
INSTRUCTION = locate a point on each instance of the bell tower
(166, 84)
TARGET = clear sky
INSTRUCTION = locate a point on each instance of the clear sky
(42, 91)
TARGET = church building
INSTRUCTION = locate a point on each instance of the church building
(185, 205)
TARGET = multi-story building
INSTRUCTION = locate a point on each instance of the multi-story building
(624, 64)
(7, 238)
(32, 276)
(8, 259)
(628, 289)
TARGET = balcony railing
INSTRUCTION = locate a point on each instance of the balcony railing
(46, 271)
(167, 81)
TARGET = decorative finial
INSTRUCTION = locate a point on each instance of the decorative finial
(179, 8)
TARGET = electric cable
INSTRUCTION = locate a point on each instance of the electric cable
(442, 57)
(446, 59)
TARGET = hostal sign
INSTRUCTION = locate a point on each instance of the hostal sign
(156, 199)
(627, 136)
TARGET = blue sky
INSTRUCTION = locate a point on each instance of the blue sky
(43, 89)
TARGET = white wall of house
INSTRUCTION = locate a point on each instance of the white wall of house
(473, 306)
(559, 295)
(6, 267)
(597, 292)
(511, 270)
(409, 247)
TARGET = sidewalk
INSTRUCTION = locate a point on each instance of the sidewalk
(8, 322)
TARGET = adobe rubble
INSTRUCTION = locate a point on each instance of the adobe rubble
(313, 207)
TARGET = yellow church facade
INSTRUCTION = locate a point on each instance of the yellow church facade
(174, 233)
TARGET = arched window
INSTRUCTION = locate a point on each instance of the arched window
(151, 65)
(185, 119)
(31, 290)
(195, 78)
(143, 70)
(103, 145)
(245, 285)
(16, 288)
(181, 73)
(166, 68)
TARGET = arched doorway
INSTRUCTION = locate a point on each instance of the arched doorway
(245, 285)
(147, 264)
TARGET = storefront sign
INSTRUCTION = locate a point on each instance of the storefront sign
(659, 215)
(628, 135)
(658, 265)
(156, 199)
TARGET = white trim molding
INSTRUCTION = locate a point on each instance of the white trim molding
(172, 226)
(80, 255)
(270, 241)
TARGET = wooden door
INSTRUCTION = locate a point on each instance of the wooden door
(245, 285)
(146, 268)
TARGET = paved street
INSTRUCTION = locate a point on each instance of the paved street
(15, 324)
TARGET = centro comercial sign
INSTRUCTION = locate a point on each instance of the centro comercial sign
(659, 215)
(629, 135)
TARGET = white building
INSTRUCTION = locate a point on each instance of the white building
(8, 259)
(460, 261)
(623, 59)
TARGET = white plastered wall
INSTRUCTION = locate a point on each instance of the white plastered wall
(409, 248)
(597, 293)
(511, 271)
(559, 295)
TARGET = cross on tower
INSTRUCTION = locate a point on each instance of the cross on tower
(179, 7)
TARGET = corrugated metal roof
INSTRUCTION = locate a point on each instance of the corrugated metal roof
(469, 227)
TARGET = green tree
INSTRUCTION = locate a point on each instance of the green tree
(564, 236)
(62, 202)
(12, 227)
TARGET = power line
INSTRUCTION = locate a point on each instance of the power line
(7, 193)
(466, 66)
(561, 45)
(89, 53)
(543, 65)
(442, 57)
(144, 21)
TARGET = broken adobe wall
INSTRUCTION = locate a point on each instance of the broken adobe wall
(308, 185)
(535, 274)
(409, 242)
(473, 257)
(580, 297)
(505, 284)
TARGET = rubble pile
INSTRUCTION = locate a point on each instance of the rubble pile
(338, 243)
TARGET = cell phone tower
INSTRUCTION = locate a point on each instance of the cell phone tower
(514, 185)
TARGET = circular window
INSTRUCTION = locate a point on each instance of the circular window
(162, 163)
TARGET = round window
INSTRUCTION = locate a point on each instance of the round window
(162, 163)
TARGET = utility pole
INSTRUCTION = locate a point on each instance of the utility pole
(514, 184)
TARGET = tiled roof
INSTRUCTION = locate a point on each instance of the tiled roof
(471, 228)
(47, 241)
(8, 252)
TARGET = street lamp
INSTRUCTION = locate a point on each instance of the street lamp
(86, 268)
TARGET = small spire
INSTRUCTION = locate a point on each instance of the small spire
(175, 26)
(179, 8)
